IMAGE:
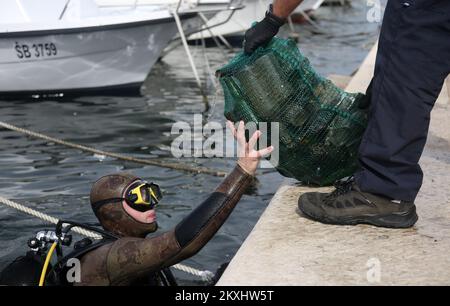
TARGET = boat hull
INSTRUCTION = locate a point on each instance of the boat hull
(81, 59)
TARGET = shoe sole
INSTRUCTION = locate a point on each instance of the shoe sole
(394, 220)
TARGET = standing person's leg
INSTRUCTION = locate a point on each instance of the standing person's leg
(412, 62)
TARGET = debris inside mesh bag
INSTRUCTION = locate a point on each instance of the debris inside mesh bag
(320, 125)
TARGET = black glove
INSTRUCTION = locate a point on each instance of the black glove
(261, 33)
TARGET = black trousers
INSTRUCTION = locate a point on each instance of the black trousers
(412, 62)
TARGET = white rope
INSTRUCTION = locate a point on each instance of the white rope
(187, 50)
(204, 275)
(45, 217)
(175, 166)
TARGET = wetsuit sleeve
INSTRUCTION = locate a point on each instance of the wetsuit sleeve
(201, 224)
(130, 258)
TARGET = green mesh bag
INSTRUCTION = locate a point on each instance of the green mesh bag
(320, 125)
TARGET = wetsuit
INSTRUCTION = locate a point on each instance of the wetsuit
(128, 259)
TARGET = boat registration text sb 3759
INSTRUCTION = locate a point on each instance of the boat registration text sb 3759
(36, 50)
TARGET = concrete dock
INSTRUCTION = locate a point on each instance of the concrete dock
(285, 248)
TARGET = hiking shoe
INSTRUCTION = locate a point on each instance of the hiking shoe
(348, 205)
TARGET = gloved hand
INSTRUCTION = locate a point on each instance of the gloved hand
(261, 33)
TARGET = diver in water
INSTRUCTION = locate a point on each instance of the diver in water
(125, 206)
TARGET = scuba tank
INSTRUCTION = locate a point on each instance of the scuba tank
(35, 268)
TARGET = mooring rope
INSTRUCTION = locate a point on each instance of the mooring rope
(157, 163)
(45, 217)
(204, 275)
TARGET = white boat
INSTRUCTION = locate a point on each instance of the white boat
(241, 21)
(308, 6)
(63, 46)
(208, 8)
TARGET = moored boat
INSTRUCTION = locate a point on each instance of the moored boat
(64, 46)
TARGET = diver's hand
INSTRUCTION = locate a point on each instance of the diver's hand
(262, 32)
(248, 156)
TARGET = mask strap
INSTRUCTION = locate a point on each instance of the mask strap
(97, 205)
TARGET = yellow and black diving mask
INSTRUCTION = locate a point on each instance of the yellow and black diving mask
(143, 196)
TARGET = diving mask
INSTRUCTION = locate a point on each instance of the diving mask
(143, 196)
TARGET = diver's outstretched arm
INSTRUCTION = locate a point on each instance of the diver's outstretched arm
(201, 225)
